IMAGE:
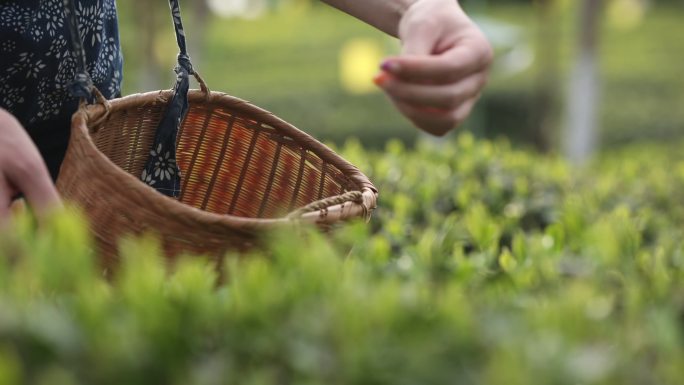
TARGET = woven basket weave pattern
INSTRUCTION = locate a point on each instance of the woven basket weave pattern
(243, 170)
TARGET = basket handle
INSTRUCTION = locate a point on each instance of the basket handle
(161, 170)
(82, 85)
(202, 84)
(326, 203)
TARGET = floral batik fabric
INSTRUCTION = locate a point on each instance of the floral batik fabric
(36, 62)
(161, 170)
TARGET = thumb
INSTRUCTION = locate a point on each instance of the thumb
(38, 189)
(419, 40)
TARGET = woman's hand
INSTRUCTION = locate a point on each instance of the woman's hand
(442, 68)
(22, 170)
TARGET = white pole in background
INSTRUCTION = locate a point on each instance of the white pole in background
(583, 99)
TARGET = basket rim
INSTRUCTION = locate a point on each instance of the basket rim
(150, 199)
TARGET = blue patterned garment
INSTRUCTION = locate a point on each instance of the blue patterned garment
(36, 65)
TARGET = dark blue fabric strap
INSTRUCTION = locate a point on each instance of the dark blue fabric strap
(183, 58)
(161, 170)
(82, 84)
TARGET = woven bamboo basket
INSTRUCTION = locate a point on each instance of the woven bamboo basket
(245, 171)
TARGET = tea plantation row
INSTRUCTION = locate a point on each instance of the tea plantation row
(483, 265)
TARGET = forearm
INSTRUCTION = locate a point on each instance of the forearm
(382, 14)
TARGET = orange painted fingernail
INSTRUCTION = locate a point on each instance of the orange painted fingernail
(381, 78)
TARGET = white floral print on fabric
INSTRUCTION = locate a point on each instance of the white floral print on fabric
(36, 64)
(163, 167)
(161, 171)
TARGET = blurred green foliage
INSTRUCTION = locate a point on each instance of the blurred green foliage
(641, 84)
(287, 61)
(483, 265)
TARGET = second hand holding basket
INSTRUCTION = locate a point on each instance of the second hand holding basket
(242, 170)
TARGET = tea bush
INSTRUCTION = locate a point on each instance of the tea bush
(483, 265)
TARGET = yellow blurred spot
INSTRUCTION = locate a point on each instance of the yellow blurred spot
(359, 62)
(626, 14)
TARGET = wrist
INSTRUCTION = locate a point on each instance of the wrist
(419, 12)
(403, 6)
(384, 15)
